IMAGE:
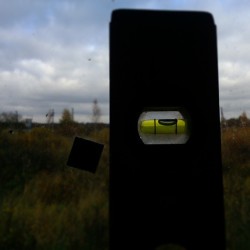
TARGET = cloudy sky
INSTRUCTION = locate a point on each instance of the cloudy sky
(54, 54)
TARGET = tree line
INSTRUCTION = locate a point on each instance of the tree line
(241, 121)
(66, 116)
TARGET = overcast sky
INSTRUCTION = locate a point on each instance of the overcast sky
(55, 54)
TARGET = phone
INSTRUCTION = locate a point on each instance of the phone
(164, 189)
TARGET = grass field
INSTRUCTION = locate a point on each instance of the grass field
(45, 204)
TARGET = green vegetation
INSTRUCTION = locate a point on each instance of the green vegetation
(236, 169)
(45, 204)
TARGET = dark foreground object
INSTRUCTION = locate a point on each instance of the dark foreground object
(167, 193)
(85, 154)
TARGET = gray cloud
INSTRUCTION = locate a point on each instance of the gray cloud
(54, 53)
(53, 56)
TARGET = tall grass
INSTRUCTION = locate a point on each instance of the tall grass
(236, 169)
(45, 204)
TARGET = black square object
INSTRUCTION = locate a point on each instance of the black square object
(85, 154)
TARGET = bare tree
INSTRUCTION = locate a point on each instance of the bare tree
(243, 119)
(50, 116)
(96, 115)
(10, 117)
